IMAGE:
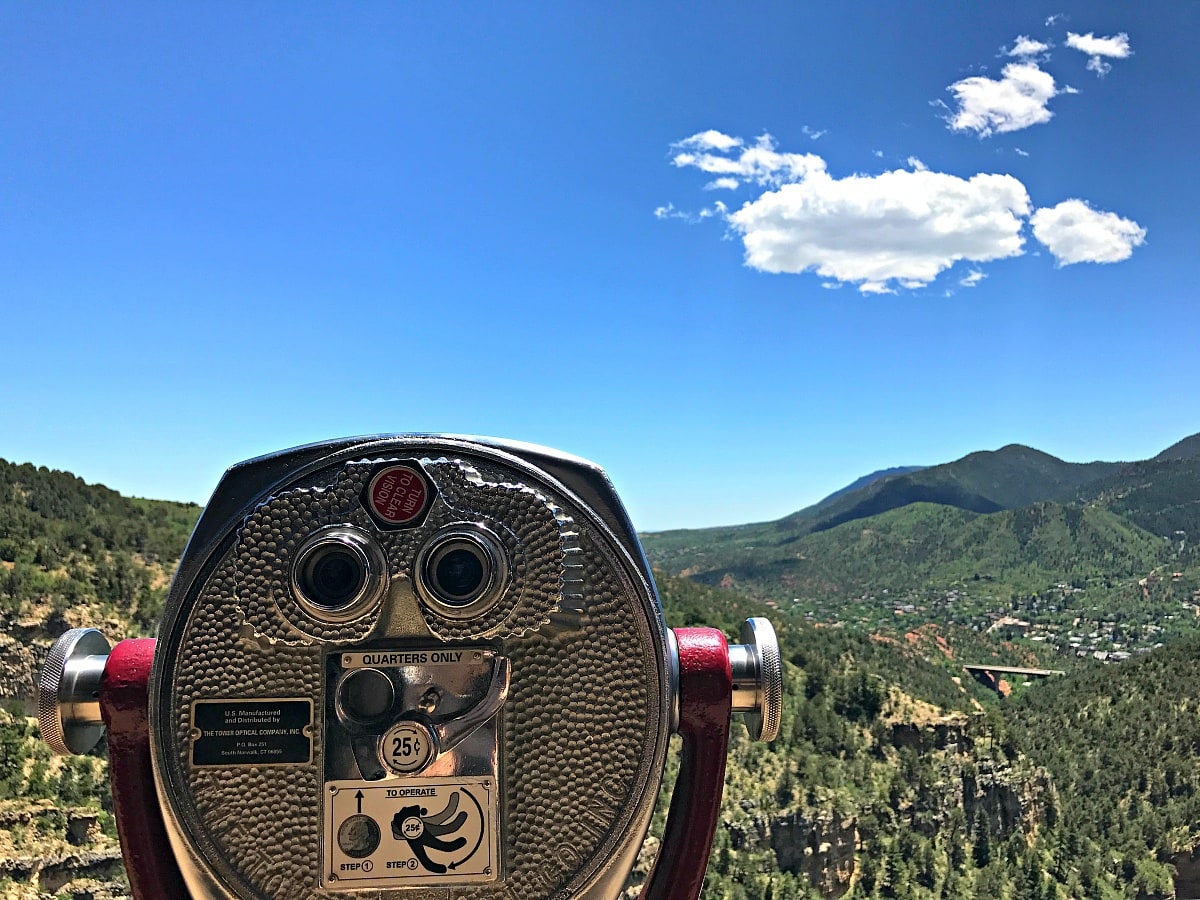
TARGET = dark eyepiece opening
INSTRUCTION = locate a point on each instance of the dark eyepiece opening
(462, 571)
(332, 576)
(338, 573)
(459, 571)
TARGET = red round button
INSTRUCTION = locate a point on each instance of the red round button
(398, 494)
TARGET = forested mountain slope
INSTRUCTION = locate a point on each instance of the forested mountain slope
(1161, 495)
(985, 481)
(1103, 562)
(891, 778)
(925, 543)
(1123, 745)
(74, 554)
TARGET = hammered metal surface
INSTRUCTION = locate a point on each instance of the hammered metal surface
(581, 727)
(532, 531)
(259, 820)
(269, 539)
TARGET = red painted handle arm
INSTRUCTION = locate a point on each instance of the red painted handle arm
(705, 704)
(153, 872)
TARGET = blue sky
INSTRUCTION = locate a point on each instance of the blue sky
(231, 228)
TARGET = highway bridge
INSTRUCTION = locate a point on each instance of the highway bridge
(989, 675)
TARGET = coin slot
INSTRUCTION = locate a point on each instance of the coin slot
(365, 696)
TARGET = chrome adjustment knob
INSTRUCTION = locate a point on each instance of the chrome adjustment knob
(69, 692)
(758, 678)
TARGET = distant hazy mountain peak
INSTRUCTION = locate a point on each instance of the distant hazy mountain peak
(870, 479)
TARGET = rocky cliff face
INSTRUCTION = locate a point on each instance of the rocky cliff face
(23, 647)
(47, 852)
(827, 847)
(821, 848)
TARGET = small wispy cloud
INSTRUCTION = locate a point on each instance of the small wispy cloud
(914, 163)
(671, 212)
(878, 153)
(1100, 49)
(723, 184)
(759, 162)
(1053, 20)
(1025, 46)
(708, 140)
(813, 133)
(972, 278)
(1020, 152)
(1116, 46)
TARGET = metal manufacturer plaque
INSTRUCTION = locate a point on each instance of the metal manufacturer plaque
(259, 732)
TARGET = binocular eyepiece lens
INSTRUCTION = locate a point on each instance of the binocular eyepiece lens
(459, 572)
(337, 573)
(332, 577)
(462, 570)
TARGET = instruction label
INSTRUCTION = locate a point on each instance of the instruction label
(410, 832)
(259, 732)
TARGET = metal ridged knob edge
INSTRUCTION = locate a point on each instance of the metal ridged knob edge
(68, 710)
(763, 723)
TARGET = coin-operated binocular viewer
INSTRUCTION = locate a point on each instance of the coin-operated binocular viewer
(411, 667)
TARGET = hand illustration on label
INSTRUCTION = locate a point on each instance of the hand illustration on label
(425, 832)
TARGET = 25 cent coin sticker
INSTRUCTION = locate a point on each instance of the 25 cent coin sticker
(410, 832)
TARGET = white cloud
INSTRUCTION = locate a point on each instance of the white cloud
(896, 230)
(1097, 48)
(900, 226)
(1014, 101)
(1026, 46)
(708, 140)
(813, 133)
(1074, 233)
(1051, 21)
(670, 211)
(1116, 46)
(759, 163)
(723, 184)
(1020, 152)
(875, 287)
(878, 153)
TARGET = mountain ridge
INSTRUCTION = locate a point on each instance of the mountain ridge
(1107, 561)
(984, 481)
